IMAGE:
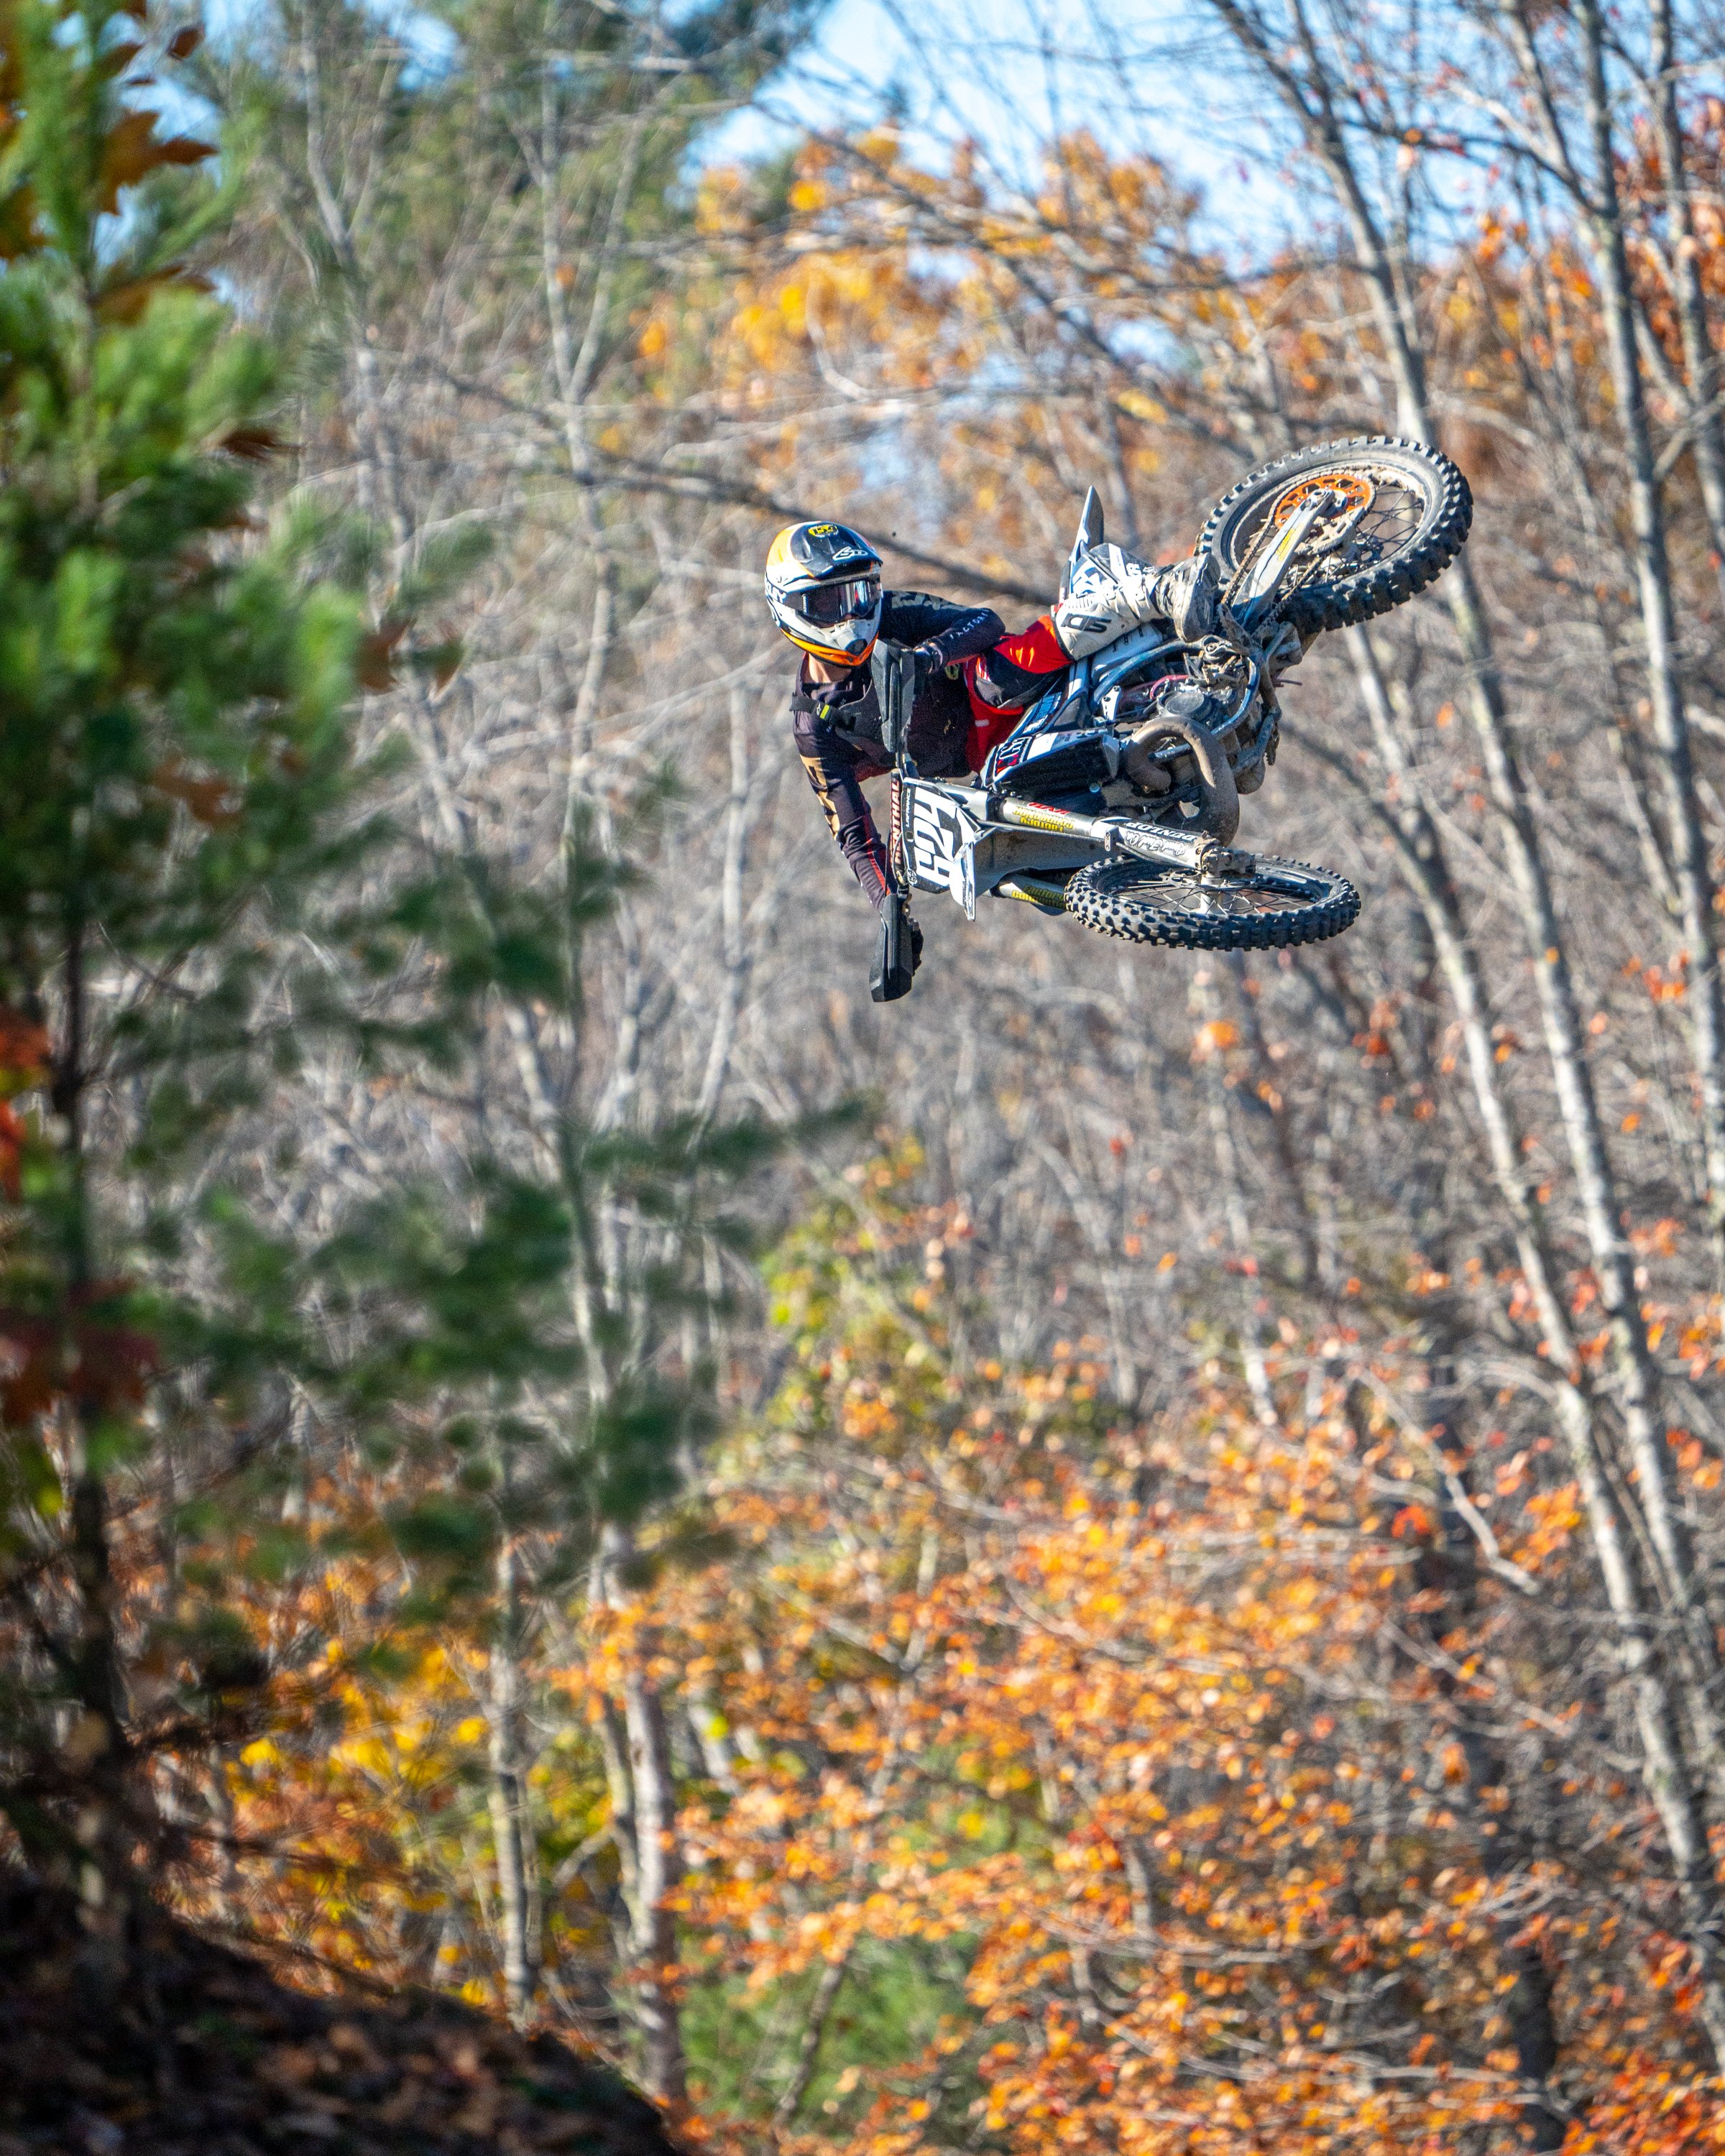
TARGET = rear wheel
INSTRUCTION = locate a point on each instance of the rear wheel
(1271, 905)
(1395, 515)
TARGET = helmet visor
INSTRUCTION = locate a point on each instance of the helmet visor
(828, 604)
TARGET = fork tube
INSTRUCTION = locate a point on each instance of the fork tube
(1032, 816)
(1146, 842)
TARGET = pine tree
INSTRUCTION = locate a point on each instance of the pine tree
(198, 891)
(178, 784)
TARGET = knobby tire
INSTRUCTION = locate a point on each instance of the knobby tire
(1142, 903)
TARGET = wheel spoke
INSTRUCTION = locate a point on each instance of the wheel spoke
(1180, 892)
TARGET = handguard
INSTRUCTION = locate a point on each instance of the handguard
(895, 955)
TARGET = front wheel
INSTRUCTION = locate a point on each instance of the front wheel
(1269, 905)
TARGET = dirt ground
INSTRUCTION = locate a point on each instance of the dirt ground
(207, 2051)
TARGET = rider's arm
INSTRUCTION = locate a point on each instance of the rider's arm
(1005, 680)
(1014, 671)
(947, 632)
(836, 769)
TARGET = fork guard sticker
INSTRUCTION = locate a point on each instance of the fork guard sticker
(943, 834)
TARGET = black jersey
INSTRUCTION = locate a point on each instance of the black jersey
(836, 725)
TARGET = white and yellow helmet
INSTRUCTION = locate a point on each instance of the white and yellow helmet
(823, 589)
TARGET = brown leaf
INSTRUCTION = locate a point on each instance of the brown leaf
(374, 664)
(254, 445)
(211, 801)
(134, 149)
(479, 2114)
(287, 2065)
(19, 232)
(183, 44)
(350, 2042)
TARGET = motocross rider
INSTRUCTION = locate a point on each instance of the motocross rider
(973, 680)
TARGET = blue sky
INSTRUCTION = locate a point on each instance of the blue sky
(1143, 74)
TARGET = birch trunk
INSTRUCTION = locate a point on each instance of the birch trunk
(1205, 1007)
(643, 1807)
(1688, 847)
(734, 948)
(654, 1935)
(1705, 425)
(510, 1834)
(1283, 1139)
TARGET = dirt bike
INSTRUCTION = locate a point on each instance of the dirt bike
(1116, 797)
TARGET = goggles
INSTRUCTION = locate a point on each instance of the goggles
(826, 604)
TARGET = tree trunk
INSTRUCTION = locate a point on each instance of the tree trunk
(735, 948)
(1688, 847)
(97, 1750)
(643, 1816)
(1448, 1569)
(658, 1860)
(1284, 1140)
(1688, 296)
(510, 1830)
(790, 2100)
(97, 1753)
(1205, 1006)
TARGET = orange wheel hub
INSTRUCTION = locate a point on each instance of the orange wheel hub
(1355, 489)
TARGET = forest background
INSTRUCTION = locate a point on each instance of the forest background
(1127, 1553)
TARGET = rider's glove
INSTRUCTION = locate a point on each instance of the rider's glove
(929, 661)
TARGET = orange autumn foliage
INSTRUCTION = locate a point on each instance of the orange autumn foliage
(1162, 1732)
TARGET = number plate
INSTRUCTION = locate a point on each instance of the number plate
(943, 832)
